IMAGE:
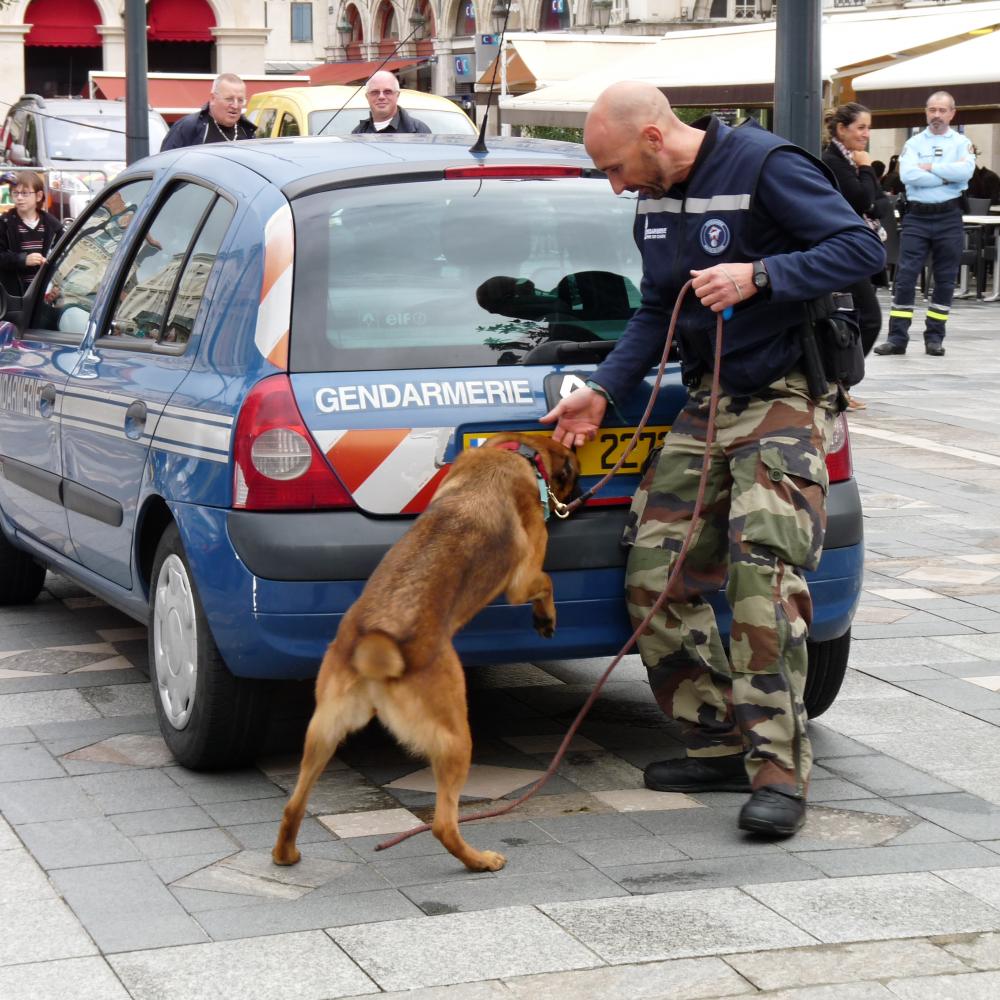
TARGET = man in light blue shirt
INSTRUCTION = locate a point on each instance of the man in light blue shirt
(935, 166)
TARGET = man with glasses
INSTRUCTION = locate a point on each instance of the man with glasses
(382, 91)
(220, 120)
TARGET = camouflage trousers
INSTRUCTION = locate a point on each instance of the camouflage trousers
(762, 522)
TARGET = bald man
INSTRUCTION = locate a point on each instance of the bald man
(382, 92)
(758, 225)
(220, 120)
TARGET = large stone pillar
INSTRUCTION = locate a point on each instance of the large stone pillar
(12, 60)
(443, 79)
(240, 50)
(113, 47)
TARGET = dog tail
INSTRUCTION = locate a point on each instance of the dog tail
(378, 657)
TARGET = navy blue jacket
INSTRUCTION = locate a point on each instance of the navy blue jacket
(749, 196)
(198, 128)
(402, 121)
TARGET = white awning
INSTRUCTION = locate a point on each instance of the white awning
(539, 60)
(720, 67)
(974, 61)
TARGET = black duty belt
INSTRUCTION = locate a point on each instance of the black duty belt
(919, 208)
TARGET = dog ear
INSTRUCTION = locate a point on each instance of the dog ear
(565, 470)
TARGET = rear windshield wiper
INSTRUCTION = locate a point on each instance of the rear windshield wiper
(557, 351)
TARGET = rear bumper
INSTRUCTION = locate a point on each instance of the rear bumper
(348, 545)
(279, 626)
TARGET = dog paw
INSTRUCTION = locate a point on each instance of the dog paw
(286, 856)
(490, 861)
(545, 627)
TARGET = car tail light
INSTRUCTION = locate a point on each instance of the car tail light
(278, 466)
(838, 457)
(511, 171)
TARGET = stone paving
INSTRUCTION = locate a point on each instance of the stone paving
(123, 875)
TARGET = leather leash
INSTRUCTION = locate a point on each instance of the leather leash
(674, 574)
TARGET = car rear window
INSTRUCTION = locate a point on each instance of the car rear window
(452, 273)
(95, 137)
(439, 121)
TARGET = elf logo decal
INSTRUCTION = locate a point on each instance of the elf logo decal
(714, 236)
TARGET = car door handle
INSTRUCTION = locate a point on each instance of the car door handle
(135, 419)
(47, 400)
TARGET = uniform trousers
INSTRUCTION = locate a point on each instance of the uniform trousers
(763, 523)
(941, 236)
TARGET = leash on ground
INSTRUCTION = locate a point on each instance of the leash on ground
(674, 573)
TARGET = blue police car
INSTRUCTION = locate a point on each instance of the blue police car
(247, 368)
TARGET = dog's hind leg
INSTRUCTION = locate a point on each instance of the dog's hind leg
(430, 715)
(343, 706)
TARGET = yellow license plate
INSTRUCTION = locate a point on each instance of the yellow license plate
(598, 457)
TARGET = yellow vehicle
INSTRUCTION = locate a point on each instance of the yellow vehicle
(337, 110)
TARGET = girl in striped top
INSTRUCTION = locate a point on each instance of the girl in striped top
(27, 233)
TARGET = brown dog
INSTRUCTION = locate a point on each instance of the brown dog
(483, 534)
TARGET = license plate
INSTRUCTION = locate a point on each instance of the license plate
(598, 457)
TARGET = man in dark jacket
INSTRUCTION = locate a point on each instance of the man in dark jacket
(759, 227)
(382, 91)
(220, 120)
(983, 183)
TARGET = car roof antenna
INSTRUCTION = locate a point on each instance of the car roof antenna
(479, 148)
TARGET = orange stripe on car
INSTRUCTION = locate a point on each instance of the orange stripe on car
(423, 498)
(358, 454)
(275, 309)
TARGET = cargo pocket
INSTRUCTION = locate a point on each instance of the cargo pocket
(638, 506)
(783, 499)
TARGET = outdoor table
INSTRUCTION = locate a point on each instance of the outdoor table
(994, 222)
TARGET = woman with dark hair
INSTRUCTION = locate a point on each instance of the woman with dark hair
(27, 233)
(847, 156)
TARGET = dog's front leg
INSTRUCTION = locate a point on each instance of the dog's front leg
(538, 590)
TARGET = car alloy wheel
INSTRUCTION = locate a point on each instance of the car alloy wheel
(175, 642)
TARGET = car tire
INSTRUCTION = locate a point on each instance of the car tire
(21, 578)
(827, 667)
(208, 718)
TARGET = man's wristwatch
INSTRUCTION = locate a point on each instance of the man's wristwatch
(761, 279)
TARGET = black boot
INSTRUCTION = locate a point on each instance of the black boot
(771, 813)
(888, 347)
(698, 774)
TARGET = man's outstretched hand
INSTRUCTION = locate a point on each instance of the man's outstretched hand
(577, 417)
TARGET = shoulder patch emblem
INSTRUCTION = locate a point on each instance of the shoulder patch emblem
(715, 236)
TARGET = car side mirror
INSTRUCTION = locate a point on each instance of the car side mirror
(10, 306)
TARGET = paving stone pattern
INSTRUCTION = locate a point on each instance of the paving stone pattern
(124, 876)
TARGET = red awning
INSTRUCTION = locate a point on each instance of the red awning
(68, 24)
(176, 96)
(354, 72)
(180, 21)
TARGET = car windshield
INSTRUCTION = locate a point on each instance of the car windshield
(439, 121)
(449, 273)
(94, 137)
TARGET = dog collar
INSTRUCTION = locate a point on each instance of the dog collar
(541, 476)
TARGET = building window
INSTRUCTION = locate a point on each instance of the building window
(302, 22)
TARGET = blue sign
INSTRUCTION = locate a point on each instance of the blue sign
(470, 10)
(558, 6)
(463, 66)
(488, 40)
